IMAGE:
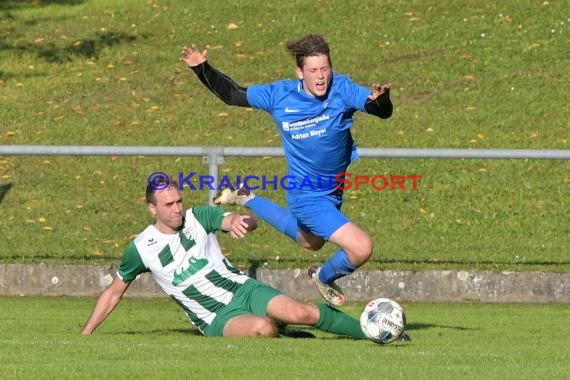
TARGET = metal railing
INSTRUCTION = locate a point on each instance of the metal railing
(214, 156)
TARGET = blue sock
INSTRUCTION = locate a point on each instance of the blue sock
(336, 267)
(279, 217)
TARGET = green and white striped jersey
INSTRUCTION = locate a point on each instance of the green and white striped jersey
(189, 265)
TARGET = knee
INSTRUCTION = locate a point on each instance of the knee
(364, 250)
(265, 327)
(305, 314)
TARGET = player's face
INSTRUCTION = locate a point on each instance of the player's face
(168, 210)
(316, 75)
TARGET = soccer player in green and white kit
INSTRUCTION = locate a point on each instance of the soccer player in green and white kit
(182, 253)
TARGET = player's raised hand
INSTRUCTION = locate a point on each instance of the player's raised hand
(192, 56)
(379, 89)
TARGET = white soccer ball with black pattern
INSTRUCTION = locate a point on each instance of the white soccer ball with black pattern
(383, 320)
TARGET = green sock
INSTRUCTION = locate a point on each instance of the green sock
(337, 322)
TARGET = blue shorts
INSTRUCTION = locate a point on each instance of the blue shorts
(320, 215)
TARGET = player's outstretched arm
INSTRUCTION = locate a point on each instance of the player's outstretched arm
(379, 103)
(106, 303)
(220, 84)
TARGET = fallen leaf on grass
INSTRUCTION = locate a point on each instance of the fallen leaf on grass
(78, 110)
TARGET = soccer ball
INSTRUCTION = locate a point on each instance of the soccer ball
(383, 320)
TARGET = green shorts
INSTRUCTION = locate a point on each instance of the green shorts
(251, 298)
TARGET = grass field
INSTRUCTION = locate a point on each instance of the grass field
(466, 74)
(39, 338)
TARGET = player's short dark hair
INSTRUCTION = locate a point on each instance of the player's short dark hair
(308, 46)
(159, 184)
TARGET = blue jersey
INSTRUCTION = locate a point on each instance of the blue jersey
(316, 134)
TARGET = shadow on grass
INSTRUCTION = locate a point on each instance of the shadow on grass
(425, 326)
(88, 47)
(4, 190)
(83, 48)
(473, 265)
(293, 332)
(19, 4)
(253, 266)
(188, 331)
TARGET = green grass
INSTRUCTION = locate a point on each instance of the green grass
(466, 74)
(151, 339)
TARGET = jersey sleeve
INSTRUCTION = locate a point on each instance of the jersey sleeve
(210, 217)
(132, 264)
(261, 96)
(355, 95)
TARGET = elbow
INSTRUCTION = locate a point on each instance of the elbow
(381, 109)
(237, 97)
(386, 114)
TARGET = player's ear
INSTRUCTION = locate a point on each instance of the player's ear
(152, 209)
(299, 72)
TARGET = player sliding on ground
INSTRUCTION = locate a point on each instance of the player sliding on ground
(314, 116)
(182, 253)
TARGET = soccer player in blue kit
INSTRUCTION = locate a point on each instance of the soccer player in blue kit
(314, 115)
